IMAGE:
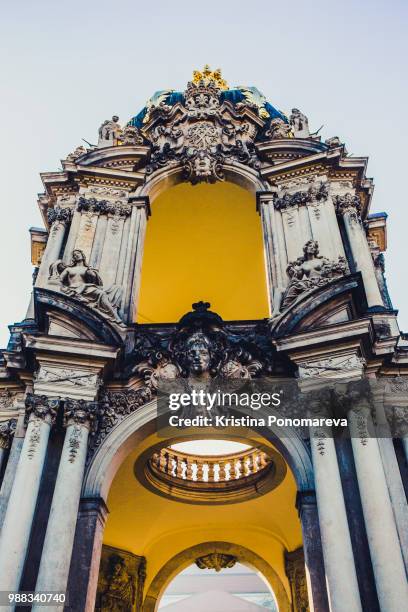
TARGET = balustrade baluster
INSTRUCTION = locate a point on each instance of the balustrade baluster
(200, 471)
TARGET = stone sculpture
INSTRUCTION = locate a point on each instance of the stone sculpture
(109, 132)
(299, 123)
(201, 133)
(278, 128)
(82, 282)
(310, 272)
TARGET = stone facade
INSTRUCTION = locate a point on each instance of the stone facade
(78, 364)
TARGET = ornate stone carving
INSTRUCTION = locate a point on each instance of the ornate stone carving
(296, 573)
(66, 375)
(107, 192)
(81, 412)
(82, 282)
(299, 123)
(278, 128)
(74, 442)
(103, 207)
(197, 351)
(42, 407)
(7, 430)
(130, 135)
(121, 581)
(39, 408)
(331, 365)
(317, 192)
(59, 215)
(216, 561)
(397, 417)
(6, 399)
(81, 150)
(348, 203)
(201, 134)
(114, 406)
(310, 272)
(199, 348)
(355, 399)
(109, 132)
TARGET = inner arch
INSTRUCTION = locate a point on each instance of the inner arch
(203, 242)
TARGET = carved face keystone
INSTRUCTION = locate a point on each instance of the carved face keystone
(198, 356)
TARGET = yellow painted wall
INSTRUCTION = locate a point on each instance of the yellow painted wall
(146, 524)
(203, 242)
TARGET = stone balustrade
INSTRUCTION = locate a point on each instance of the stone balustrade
(208, 468)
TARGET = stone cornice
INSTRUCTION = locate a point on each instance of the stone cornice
(129, 152)
(71, 346)
(304, 341)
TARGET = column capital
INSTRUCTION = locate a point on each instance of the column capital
(7, 430)
(59, 214)
(42, 407)
(80, 412)
(348, 203)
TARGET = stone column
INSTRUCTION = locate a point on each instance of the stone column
(7, 430)
(274, 248)
(12, 463)
(385, 549)
(312, 546)
(59, 217)
(133, 262)
(15, 533)
(55, 560)
(348, 205)
(391, 468)
(86, 555)
(343, 591)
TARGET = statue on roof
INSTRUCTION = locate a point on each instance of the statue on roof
(299, 123)
(109, 132)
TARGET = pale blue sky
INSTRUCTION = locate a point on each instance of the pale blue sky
(68, 66)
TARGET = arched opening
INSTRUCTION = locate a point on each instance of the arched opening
(147, 525)
(219, 583)
(254, 580)
(203, 242)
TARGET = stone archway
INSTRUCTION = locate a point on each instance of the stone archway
(115, 447)
(185, 558)
(128, 432)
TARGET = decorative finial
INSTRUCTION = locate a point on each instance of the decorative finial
(201, 306)
(207, 75)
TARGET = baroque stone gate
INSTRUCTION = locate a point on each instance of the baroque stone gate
(79, 377)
